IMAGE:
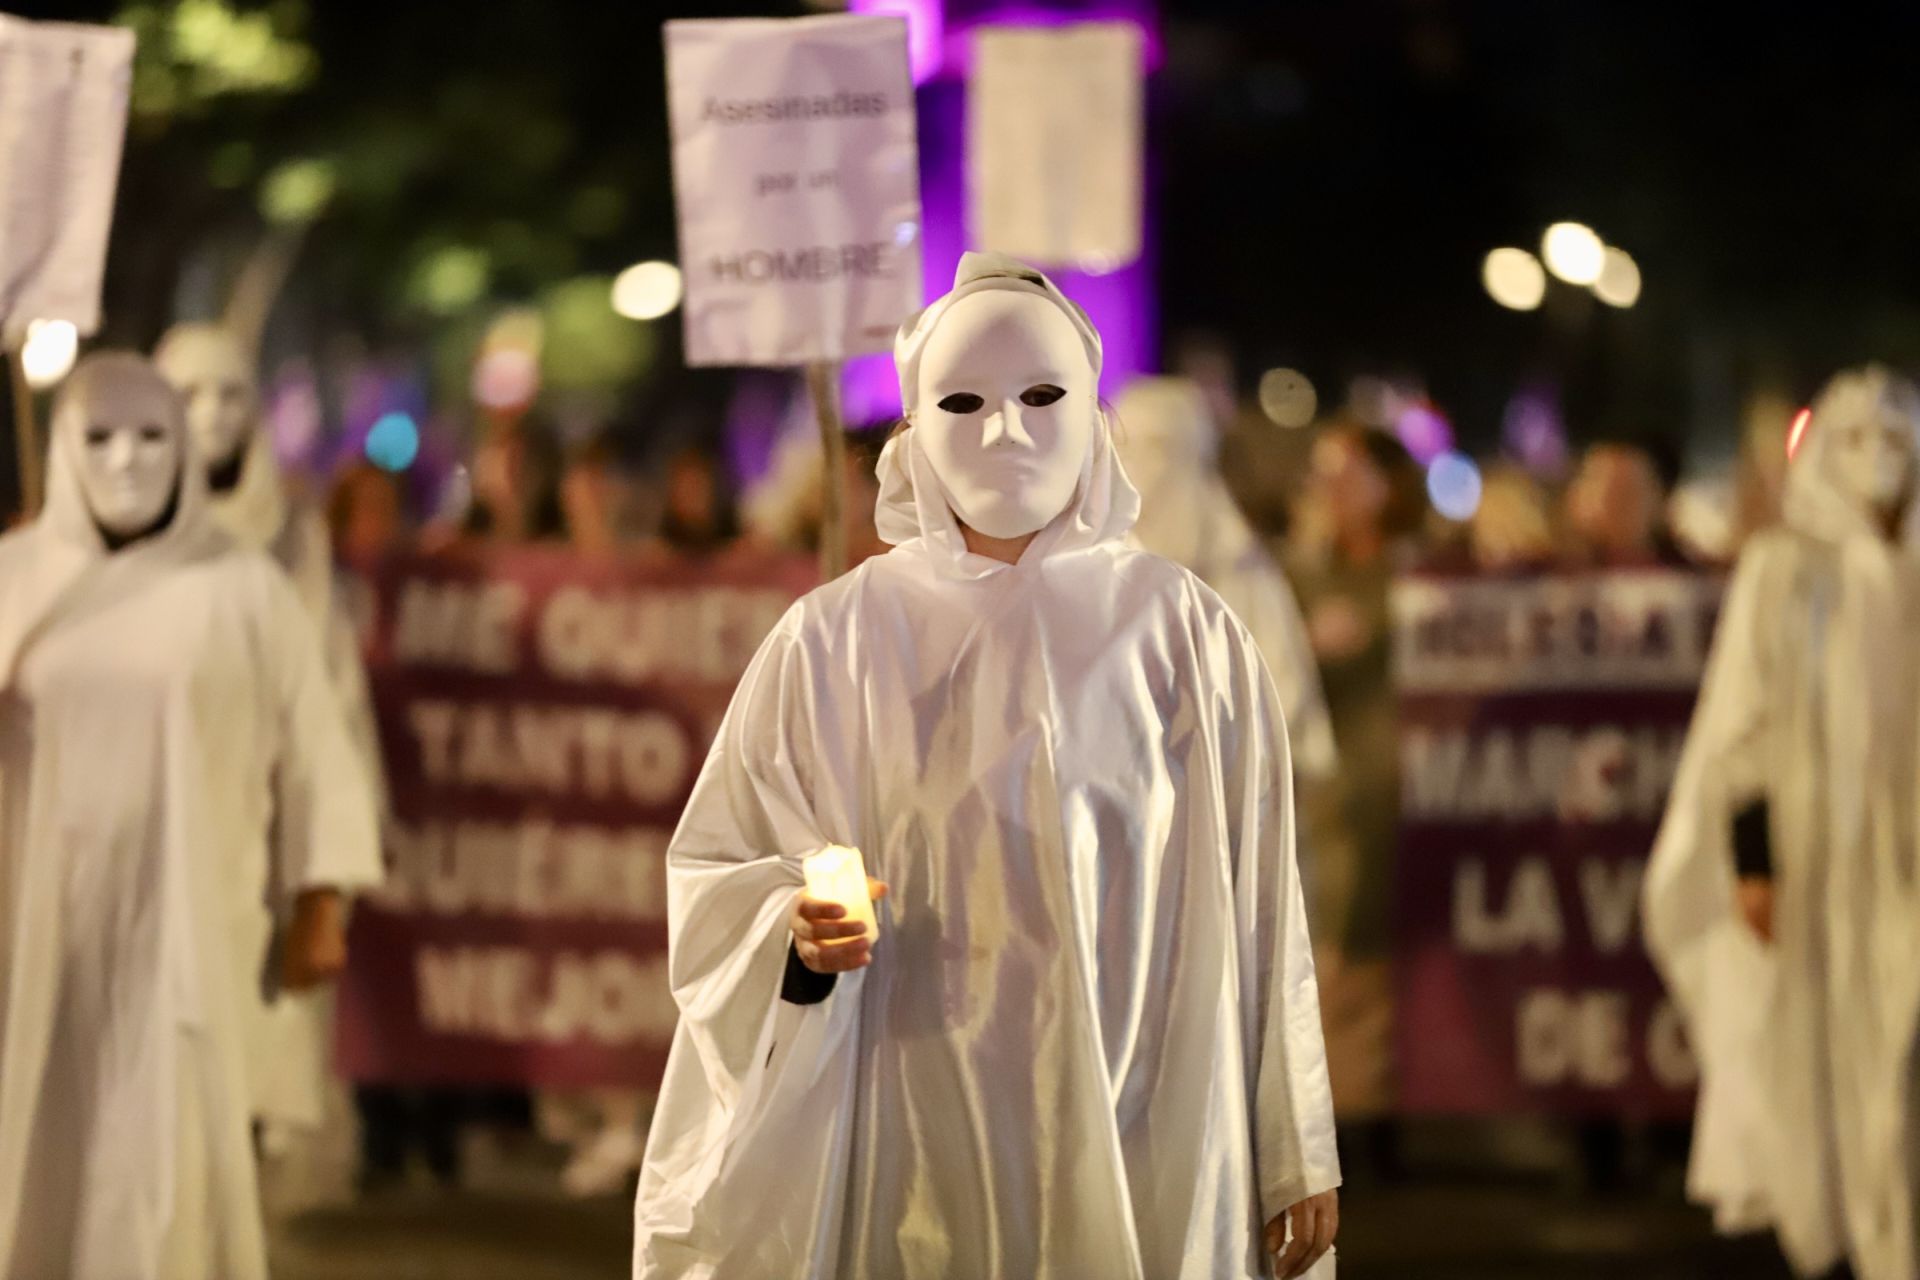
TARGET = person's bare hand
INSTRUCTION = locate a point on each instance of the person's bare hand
(1316, 1221)
(825, 939)
(1753, 897)
(314, 950)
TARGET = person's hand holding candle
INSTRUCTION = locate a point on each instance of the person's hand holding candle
(834, 926)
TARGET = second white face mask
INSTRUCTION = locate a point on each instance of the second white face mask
(1006, 411)
(211, 374)
(1874, 459)
(129, 461)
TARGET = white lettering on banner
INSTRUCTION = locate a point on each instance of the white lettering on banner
(1529, 917)
(532, 870)
(642, 756)
(799, 198)
(1604, 774)
(1573, 1038)
(459, 624)
(1613, 631)
(1530, 913)
(504, 993)
(1668, 1052)
(706, 634)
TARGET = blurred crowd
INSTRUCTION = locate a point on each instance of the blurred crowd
(1338, 509)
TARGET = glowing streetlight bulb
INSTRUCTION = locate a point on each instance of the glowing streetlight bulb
(1573, 252)
(49, 352)
(1514, 279)
(647, 290)
(1619, 282)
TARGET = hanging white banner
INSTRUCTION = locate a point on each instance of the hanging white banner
(63, 122)
(797, 178)
(1054, 142)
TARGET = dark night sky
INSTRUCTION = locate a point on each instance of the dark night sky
(1330, 174)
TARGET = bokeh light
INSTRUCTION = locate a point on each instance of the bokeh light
(1619, 282)
(49, 352)
(1424, 430)
(647, 290)
(297, 191)
(393, 442)
(1514, 278)
(1798, 431)
(1287, 397)
(1453, 483)
(1573, 252)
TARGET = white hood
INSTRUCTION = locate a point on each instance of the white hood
(914, 511)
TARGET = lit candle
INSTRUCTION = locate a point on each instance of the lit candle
(837, 874)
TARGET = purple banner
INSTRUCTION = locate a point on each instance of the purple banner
(542, 718)
(1541, 721)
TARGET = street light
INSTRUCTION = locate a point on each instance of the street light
(647, 290)
(1573, 252)
(1514, 279)
(1619, 282)
(49, 352)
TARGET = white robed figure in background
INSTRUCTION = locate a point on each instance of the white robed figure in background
(170, 757)
(1087, 1041)
(1170, 444)
(1781, 902)
(249, 499)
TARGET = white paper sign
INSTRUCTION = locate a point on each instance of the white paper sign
(63, 121)
(1054, 143)
(798, 184)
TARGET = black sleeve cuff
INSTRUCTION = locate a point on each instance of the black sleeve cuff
(802, 985)
(1752, 842)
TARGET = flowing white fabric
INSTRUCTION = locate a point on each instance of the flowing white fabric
(289, 1036)
(1170, 445)
(1806, 1107)
(1089, 1042)
(168, 746)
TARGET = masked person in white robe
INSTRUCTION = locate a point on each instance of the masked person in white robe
(1086, 1041)
(1170, 445)
(1781, 901)
(170, 765)
(248, 498)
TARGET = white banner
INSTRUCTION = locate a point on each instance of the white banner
(1054, 143)
(63, 121)
(798, 185)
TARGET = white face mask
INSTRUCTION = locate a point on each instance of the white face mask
(1006, 414)
(1873, 458)
(129, 458)
(208, 369)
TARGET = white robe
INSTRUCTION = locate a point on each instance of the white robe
(289, 1039)
(1089, 1043)
(1188, 515)
(1806, 1112)
(169, 757)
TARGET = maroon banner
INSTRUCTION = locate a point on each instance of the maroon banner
(542, 719)
(1541, 721)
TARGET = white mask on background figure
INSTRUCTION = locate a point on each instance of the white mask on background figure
(209, 369)
(1006, 412)
(1873, 457)
(129, 452)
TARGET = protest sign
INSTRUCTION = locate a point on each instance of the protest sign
(1541, 721)
(1055, 143)
(797, 180)
(542, 719)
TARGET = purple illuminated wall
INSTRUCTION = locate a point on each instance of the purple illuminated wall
(939, 38)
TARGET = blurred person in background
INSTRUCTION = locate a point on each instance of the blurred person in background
(516, 475)
(305, 1125)
(1760, 478)
(1616, 511)
(365, 515)
(1511, 532)
(181, 815)
(784, 508)
(1358, 522)
(700, 516)
(594, 503)
(1783, 898)
(1168, 440)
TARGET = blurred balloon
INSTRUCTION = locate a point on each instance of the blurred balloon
(1287, 397)
(393, 442)
(1453, 483)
